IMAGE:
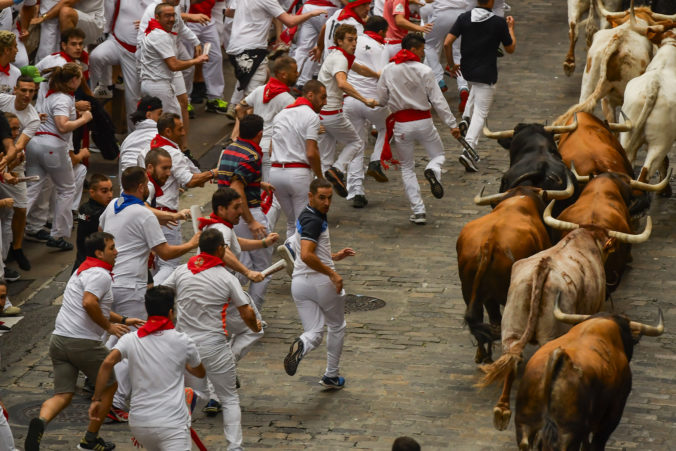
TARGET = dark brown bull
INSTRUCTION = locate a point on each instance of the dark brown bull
(578, 384)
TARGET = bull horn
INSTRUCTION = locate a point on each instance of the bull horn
(658, 16)
(559, 129)
(479, 199)
(605, 13)
(568, 318)
(580, 178)
(497, 135)
(648, 187)
(634, 239)
(649, 331)
(624, 127)
(556, 223)
(562, 194)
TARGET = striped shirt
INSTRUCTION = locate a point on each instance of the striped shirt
(241, 160)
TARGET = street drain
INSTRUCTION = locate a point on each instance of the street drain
(76, 414)
(358, 303)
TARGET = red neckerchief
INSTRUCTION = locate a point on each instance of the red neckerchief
(84, 57)
(158, 188)
(51, 91)
(5, 69)
(211, 220)
(93, 262)
(155, 324)
(300, 101)
(256, 147)
(203, 261)
(153, 24)
(347, 12)
(350, 58)
(403, 56)
(160, 141)
(273, 88)
(375, 36)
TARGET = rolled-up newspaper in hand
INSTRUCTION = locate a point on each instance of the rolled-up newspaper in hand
(30, 178)
(195, 212)
(277, 266)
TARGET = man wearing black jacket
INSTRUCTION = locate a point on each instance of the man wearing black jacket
(100, 195)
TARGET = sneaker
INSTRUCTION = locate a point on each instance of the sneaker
(11, 275)
(359, 201)
(20, 258)
(337, 179)
(218, 106)
(463, 125)
(264, 324)
(119, 83)
(199, 93)
(435, 186)
(447, 71)
(467, 162)
(191, 111)
(41, 235)
(287, 254)
(103, 92)
(376, 171)
(294, 356)
(60, 244)
(35, 430)
(212, 408)
(464, 95)
(190, 399)
(418, 218)
(118, 415)
(231, 114)
(335, 383)
(442, 86)
(11, 311)
(190, 156)
(99, 444)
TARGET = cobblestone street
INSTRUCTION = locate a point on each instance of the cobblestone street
(409, 366)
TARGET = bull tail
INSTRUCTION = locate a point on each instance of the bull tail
(600, 90)
(484, 260)
(550, 430)
(499, 369)
(638, 133)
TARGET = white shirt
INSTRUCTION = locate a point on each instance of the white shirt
(331, 25)
(135, 143)
(128, 12)
(201, 300)
(291, 129)
(411, 85)
(323, 241)
(28, 117)
(73, 320)
(267, 111)
(372, 54)
(251, 25)
(48, 62)
(182, 31)
(229, 237)
(8, 82)
(156, 368)
(440, 5)
(182, 170)
(58, 104)
(136, 231)
(335, 62)
(158, 45)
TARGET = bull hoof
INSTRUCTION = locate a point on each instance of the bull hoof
(482, 356)
(569, 67)
(501, 416)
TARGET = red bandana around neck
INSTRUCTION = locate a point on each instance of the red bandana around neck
(348, 12)
(160, 141)
(273, 88)
(211, 220)
(403, 56)
(51, 91)
(300, 101)
(84, 57)
(5, 69)
(153, 24)
(375, 36)
(155, 324)
(158, 188)
(203, 261)
(350, 58)
(93, 262)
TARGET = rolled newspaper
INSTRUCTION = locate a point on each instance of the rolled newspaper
(30, 178)
(277, 266)
(195, 212)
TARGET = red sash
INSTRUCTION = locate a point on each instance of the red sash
(155, 324)
(399, 116)
(203, 261)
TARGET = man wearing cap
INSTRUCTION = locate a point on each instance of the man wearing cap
(8, 51)
(145, 118)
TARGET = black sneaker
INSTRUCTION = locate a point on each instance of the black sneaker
(11, 275)
(294, 356)
(337, 179)
(418, 218)
(35, 430)
(467, 162)
(212, 408)
(20, 257)
(376, 171)
(41, 235)
(435, 186)
(98, 445)
(218, 106)
(359, 201)
(60, 244)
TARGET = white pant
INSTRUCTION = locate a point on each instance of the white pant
(258, 259)
(221, 372)
(80, 175)
(108, 54)
(39, 212)
(163, 439)
(306, 39)
(361, 118)
(291, 188)
(406, 134)
(338, 129)
(318, 304)
(212, 69)
(163, 90)
(49, 35)
(478, 106)
(241, 336)
(434, 41)
(260, 77)
(47, 156)
(164, 268)
(6, 438)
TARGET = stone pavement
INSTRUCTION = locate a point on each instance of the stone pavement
(410, 365)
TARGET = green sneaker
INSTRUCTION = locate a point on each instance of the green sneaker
(218, 106)
(191, 111)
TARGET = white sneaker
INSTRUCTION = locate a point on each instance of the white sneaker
(418, 218)
(102, 92)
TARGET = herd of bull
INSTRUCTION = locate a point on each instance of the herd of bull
(558, 240)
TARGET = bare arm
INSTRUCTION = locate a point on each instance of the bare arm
(312, 152)
(510, 25)
(341, 79)
(91, 305)
(200, 179)
(249, 245)
(406, 24)
(231, 261)
(364, 70)
(242, 109)
(310, 258)
(53, 11)
(249, 317)
(257, 229)
(105, 370)
(293, 20)
(197, 371)
(168, 251)
(176, 64)
(65, 125)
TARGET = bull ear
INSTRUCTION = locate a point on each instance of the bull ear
(614, 22)
(609, 246)
(653, 31)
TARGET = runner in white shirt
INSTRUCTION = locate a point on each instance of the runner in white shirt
(8, 72)
(317, 288)
(76, 341)
(333, 74)
(295, 154)
(408, 87)
(158, 357)
(204, 290)
(145, 117)
(158, 166)
(354, 13)
(370, 52)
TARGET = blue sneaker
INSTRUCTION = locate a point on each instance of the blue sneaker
(212, 408)
(335, 383)
(442, 86)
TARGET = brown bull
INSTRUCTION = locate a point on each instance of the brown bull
(578, 384)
